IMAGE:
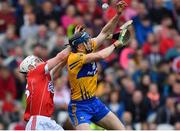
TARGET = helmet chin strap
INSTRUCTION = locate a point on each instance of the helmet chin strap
(88, 48)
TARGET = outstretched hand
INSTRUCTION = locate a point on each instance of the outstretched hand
(123, 39)
(120, 6)
(79, 28)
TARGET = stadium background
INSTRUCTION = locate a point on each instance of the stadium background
(138, 83)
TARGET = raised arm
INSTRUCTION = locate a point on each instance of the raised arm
(59, 58)
(111, 25)
(102, 54)
(56, 70)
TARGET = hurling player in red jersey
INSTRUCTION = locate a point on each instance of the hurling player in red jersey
(40, 90)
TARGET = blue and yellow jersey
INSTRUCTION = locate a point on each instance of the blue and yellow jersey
(82, 76)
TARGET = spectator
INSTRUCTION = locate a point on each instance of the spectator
(7, 83)
(94, 9)
(153, 98)
(19, 54)
(46, 13)
(164, 28)
(177, 117)
(9, 42)
(159, 11)
(115, 104)
(175, 51)
(131, 11)
(127, 54)
(144, 68)
(44, 53)
(22, 7)
(167, 87)
(166, 114)
(128, 88)
(97, 25)
(167, 42)
(30, 28)
(142, 29)
(162, 74)
(59, 46)
(42, 36)
(176, 90)
(151, 40)
(127, 120)
(8, 104)
(57, 41)
(145, 82)
(9, 109)
(37, 50)
(68, 19)
(87, 19)
(177, 13)
(7, 17)
(138, 107)
(41, 51)
(78, 20)
(103, 91)
(52, 26)
(154, 57)
(62, 96)
(142, 25)
(61, 100)
(20, 84)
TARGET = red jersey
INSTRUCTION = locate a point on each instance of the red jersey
(39, 93)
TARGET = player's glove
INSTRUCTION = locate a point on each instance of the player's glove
(124, 35)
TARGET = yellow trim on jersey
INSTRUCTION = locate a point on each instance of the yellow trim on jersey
(74, 114)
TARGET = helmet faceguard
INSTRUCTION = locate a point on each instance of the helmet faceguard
(80, 38)
(30, 60)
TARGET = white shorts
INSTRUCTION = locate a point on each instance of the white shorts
(42, 123)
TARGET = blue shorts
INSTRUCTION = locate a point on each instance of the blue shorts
(87, 111)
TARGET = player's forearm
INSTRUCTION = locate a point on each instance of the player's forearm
(107, 30)
(55, 72)
(102, 54)
(62, 56)
(106, 52)
(110, 26)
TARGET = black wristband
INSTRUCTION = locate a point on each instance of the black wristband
(116, 36)
(115, 47)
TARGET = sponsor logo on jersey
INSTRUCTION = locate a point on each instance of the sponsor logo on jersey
(51, 87)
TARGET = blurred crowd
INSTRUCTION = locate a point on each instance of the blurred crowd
(139, 83)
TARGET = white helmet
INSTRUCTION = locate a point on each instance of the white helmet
(29, 60)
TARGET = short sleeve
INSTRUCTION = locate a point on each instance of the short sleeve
(76, 60)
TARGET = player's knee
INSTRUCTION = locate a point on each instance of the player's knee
(84, 126)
